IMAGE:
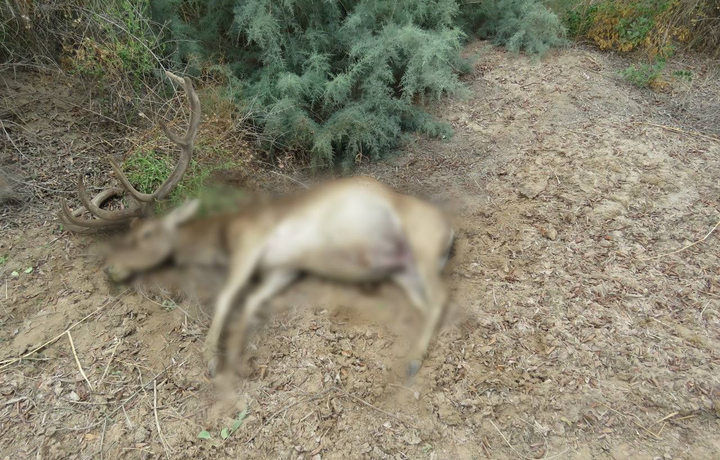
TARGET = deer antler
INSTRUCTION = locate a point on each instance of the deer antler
(143, 203)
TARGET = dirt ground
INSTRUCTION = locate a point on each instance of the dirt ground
(578, 330)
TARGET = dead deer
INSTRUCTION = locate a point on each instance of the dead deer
(352, 230)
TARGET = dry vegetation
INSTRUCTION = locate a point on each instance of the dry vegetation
(581, 330)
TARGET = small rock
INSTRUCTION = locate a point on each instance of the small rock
(448, 416)
(141, 435)
(532, 186)
(336, 406)
(73, 396)
(411, 437)
(467, 403)
(549, 233)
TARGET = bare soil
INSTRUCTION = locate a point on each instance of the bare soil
(578, 330)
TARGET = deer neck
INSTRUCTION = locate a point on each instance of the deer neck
(202, 242)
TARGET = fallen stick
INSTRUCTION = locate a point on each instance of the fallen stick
(9, 362)
(678, 130)
(77, 360)
(684, 247)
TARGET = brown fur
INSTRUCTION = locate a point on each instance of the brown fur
(354, 230)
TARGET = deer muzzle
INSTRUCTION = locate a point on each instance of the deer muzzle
(117, 274)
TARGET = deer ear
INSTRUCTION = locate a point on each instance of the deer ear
(182, 214)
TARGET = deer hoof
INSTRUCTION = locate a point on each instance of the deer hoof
(413, 367)
(213, 366)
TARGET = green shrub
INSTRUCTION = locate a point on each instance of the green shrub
(339, 80)
(658, 26)
(109, 42)
(519, 25)
(644, 75)
(343, 80)
(120, 48)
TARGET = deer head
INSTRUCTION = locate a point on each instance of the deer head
(142, 204)
(150, 243)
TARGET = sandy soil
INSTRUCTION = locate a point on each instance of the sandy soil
(578, 331)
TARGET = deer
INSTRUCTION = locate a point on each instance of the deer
(351, 230)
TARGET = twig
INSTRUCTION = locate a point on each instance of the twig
(289, 406)
(289, 178)
(129, 128)
(518, 452)
(127, 400)
(9, 362)
(703, 310)
(127, 419)
(362, 401)
(664, 418)
(157, 422)
(685, 247)
(678, 130)
(639, 425)
(107, 366)
(77, 360)
(102, 439)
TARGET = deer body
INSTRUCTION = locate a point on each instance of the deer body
(352, 230)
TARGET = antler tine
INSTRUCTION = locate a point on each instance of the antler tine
(97, 211)
(75, 223)
(139, 196)
(144, 201)
(67, 217)
(185, 143)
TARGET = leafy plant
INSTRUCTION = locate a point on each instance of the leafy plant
(226, 432)
(120, 49)
(686, 75)
(579, 21)
(644, 75)
(519, 25)
(343, 80)
(658, 26)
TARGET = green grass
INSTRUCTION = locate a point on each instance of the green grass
(686, 75)
(147, 169)
(122, 47)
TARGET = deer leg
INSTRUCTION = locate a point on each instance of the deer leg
(411, 283)
(271, 284)
(428, 295)
(239, 276)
